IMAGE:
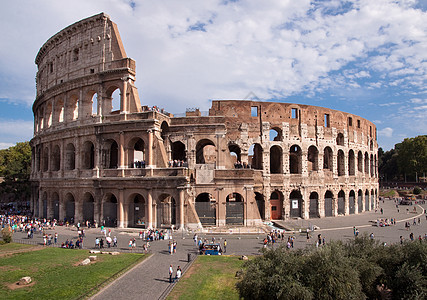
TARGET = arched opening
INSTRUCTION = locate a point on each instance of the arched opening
(94, 101)
(328, 159)
(360, 201)
(45, 205)
(341, 203)
(276, 160)
(329, 208)
(110, 210)
(110, 154)
(367, 200)
(371, 145)
(73, 108)
(206, 209)
(88, 155)
(136, 153)
(88, 207)
(49, 113)
(46, 159)
(178, 152)
(70, 208)
(164, 131)
(366, 163)
(59, 111)
(115, 100)
(275, 134)
(235, 155)
(351, 161)
(137, 211)
(255, 156)
(296, 204)
(234, 209)
(56, 158)
(313, 211)
(340, 139)
(38, 158)
(351, 202)
(340, 165)
(166, 211)
(373, 198)
(259, 198)
(70, 157)
(295, 161)
(372, 166)
(360, 162)
(55, 206)
(205, 152)
(276, 205)
(312, 159)
(375, 166)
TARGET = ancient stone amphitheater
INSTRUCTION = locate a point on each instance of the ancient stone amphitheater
(99, 155)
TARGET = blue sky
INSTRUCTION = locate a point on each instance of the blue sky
(364, 57)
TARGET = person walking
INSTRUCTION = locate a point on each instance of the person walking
(170, 273)
(178, 273)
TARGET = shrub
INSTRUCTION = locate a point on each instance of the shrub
(417, 190)
(7, 234)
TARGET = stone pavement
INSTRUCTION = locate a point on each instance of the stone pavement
(149, 279)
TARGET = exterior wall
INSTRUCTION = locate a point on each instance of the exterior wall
(87, 162)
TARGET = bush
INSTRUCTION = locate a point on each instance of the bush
(7, 234)
(417, 190)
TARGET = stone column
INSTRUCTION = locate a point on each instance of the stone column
(150, 149)
(181, 207)
(121, 216)
(149, 210)
(121, 150)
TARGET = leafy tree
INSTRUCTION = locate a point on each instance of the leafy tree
(412, 156)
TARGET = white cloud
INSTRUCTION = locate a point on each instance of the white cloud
(6, 145)
(387, 132)
(15, 130)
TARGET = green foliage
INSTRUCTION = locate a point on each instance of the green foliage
(15, 167)
(417, 190)
(338, 271)
(7, 234)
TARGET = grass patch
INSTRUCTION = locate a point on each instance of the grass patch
(210, 277)
(56, 273)
(13, 246)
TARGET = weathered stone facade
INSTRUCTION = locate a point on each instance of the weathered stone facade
(138, 166)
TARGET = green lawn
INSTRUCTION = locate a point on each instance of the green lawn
(13, 246)
(56, 272)
(210, 277)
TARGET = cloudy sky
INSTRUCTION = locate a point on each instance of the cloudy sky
(364, 57)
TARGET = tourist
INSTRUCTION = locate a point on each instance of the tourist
(178, 273)
(170, 273)
(225, 246)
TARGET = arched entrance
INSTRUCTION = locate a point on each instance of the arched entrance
(70, 206)
(55, 206)
(296, 204)
(259, 198)
(137, 211)
(166, 211)
(234, 209)
(88, 207)
(360, 201)
(206, 209)
(367, 200)
(313, 211)
(351, 203)
(110, 210)
(276, 205)
(44, 212)
(341, 203)
(329, 197)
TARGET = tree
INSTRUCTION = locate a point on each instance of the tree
(412, 156)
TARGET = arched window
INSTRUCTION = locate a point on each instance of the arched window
(94, 101)
(112, 100)
(49, 114)
(56, 158)
(340, 139)
(351, 167)
(328, 159)
(205, 152)
(59, 111)
(88, 155)
(360, 162)
(340, 165)
(178, 151)
(235, 154)
(136, 157)
(372, 166)
(295, 161)
(276, 160)
(115, 100)
(70, 157)
(45, 159)
(313, 159)
(73, 108)
(255, 156)
(275, 134)
(366, 163)
(110, 154)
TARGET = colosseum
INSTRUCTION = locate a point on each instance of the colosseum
(99, 155)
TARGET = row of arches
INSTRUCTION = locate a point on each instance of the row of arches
(77, 105)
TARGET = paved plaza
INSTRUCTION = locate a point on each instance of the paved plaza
(149, 279)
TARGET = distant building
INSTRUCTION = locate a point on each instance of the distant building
(243, 163)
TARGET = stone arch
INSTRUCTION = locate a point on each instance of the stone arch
(178, 151)
(164, 130)
(360, 162)
(341, 203)
(70, 157)
(371, 146)
(276, 205)
(70, 207)
(340, 139)
(276, 160)
(110, 154)
(166, 211)
(313, 211)
(340, 163)
(45, 205)
(360, 201)
(351, 162)
(372, 165)
(93, 96)
(88, 207)
(56, 158)
(313, 159)
(59, 111)
(73, 108)
(45, 159)
(234, 205)
(328, 159)
(109, 210)
(55, 205)
(295, 159)
(275, 134)
(329, 204)
(205, 152)
(136, 216)
(352, 202)
(296, 202)
(88, 155)
(366, 163)
(235, 154)
(136, 153)
(367, 200)
(112, 100)
(259, 198)
(49, 114)
(255, 156)
(206, 209)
